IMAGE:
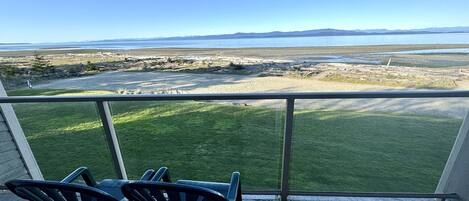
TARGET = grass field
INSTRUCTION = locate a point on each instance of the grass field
(407, 81)
(332, 150)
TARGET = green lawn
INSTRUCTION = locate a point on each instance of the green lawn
(332, 150)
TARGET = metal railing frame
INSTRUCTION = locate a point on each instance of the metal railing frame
(102, 102)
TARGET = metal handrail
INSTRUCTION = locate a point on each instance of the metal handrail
(240, 96)
(102, 102)
(360, 194)
(378, 194)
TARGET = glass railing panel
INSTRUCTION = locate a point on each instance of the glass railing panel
(202, 140)
(373, 145)
(65, 136)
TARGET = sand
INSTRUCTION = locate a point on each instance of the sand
(218, 83)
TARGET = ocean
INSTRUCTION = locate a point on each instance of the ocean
(446, 38)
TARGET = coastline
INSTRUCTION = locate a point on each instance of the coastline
(254, 51)
(377, 65)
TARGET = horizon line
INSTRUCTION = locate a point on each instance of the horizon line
(221, 34)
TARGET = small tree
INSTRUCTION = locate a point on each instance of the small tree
(235, 66)
(90, 66)
(41, 65)
(7, 71)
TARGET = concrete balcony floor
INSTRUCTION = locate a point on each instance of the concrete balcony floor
(8, 196)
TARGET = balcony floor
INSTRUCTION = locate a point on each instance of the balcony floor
(8, 196)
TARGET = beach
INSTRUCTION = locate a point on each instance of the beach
(261, 70)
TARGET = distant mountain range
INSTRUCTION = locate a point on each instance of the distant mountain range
(14, 43)
(306, 33)
(324, 32)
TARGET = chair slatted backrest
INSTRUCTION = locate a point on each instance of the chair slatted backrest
(56, 191)
(159, 191)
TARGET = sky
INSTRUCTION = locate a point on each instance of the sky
(78, 20)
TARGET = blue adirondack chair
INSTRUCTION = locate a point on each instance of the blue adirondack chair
(184, 190)
(65, 190)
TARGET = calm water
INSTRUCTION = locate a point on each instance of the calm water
(453, 38)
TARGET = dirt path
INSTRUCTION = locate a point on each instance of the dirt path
(218, 83)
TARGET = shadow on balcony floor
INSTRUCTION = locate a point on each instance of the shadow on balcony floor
(8, 196)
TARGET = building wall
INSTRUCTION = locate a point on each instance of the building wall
(16, 158)
(11, 163)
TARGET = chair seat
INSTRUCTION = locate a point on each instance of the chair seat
(113, 187)
(216, 186)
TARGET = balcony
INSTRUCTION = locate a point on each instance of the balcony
(284, 145)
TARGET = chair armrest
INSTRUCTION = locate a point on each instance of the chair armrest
(147, 175)
(234, 192)
(216, 186)
(80, 172)
(161, 175)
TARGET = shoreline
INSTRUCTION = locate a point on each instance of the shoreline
(375, 65)
(250, 51)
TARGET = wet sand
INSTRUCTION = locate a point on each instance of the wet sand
(248, 52)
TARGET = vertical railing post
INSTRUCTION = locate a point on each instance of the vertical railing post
(455, 176)
(287, 138)
(111, 138)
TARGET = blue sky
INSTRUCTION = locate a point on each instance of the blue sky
(76, 20)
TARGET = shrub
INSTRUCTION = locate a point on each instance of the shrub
(235, 66)
(74, 71)
(41, 65)
(8, 71)
(90, 66)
